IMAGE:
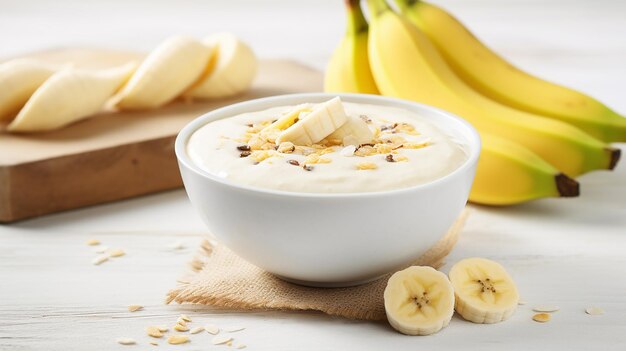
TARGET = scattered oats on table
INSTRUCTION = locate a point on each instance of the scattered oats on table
(541, 317)
(185, 318)
(181, 327)
(547, 309)
(177, 339)
(100, 259)
(221, 339)
(177, 246)
(196, 330)
(594, 311)
(154, 332)
(117, 253)
(211, 329)
(134, 308)
(126, 341)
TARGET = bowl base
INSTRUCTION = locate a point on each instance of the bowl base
(314, 284)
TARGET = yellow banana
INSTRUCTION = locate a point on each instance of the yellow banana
(508, 174)
(68, 96)
(18, 81)
(496, 78)
(349, 70)
(231, 69)
(405, 64)
(167, 71)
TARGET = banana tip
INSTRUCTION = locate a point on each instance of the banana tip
(615, 156)
(567, 186)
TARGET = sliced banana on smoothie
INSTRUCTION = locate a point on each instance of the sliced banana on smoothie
(18, 81)
(484, 291)
(316, 125)
(68, 96)
(354, 132)
(271, 132)
(166, 72)
(419, 301)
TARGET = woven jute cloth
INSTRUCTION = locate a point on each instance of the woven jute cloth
(220, 278)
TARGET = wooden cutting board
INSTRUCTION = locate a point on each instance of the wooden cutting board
(113, 156)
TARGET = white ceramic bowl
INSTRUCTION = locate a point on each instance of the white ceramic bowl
(329, 239)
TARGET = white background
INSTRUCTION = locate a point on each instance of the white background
(565, 252)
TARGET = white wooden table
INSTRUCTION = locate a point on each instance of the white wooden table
(568, 253)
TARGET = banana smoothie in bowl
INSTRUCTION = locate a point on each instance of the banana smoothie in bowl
(328, 189)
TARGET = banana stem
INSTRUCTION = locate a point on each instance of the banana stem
(377, 7)
(356, 20)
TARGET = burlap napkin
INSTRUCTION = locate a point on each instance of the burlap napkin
(222, 279)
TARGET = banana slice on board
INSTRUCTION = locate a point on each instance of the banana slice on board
(354, 132)
(484, 291)
(68, 96)
(167, 71)
(316, 125)
(18, 81)
(230, 72)
(419, 301)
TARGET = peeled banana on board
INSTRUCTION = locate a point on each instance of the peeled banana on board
(420, 54)
(68, 96)
(18, 81)
(231, 69)
(155, 83)
(37, 97)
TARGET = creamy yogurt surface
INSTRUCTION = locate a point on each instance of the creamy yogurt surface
(406, 150)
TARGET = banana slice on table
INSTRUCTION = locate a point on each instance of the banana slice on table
(167, 71)
(231, 71)
(18, 81)
(419, 301)
(354, 132)
(484, 291)
(68, 96)
(316, 125)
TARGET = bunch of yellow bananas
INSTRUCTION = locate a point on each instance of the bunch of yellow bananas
(536, 135)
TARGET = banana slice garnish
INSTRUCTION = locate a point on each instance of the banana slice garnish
(484, 291)
(18, 81)
(354, 132)
(419, 301)
(316, 125)
(68, 96)
(167, 71)
(230, 72)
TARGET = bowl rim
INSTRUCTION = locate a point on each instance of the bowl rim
(473, 138)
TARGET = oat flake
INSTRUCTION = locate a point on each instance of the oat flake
(221, 339)
(594, 311)
(541, 317)
(547, 309)
(196, 330)
(135, 308)
(178, 339)
(100, 259)
(117, 253)
(233, 329)
(212, 329)
(126, 341)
